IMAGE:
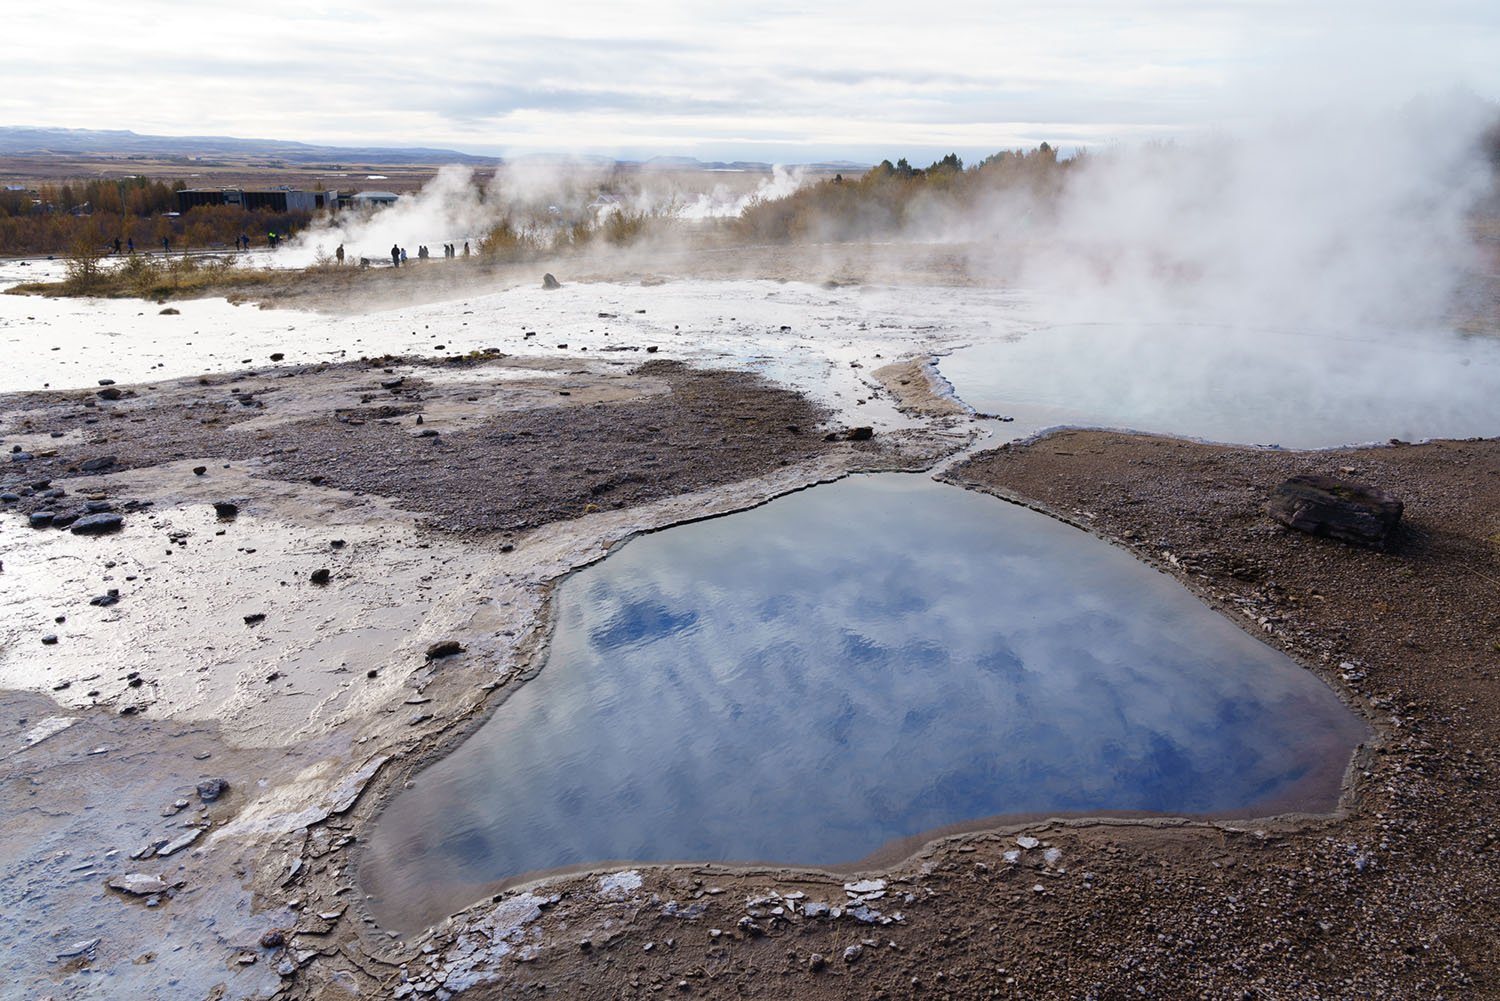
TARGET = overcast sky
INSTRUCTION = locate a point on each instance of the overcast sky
(768, 81)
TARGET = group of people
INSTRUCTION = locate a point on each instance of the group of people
(241, 242)
(398, 252)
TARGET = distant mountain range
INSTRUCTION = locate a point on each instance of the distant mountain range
(22, 141)
(38, 142)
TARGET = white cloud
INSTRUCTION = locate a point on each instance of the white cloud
(665, 75)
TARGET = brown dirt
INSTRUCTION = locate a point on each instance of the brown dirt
(552, 456)
(1394, 898)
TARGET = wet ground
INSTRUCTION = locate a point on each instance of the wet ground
(1388, 898)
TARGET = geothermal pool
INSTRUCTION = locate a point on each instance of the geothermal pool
(818, 680)
(1297, 389)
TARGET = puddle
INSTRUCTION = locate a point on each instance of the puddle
(819, 678)
(1260, 387)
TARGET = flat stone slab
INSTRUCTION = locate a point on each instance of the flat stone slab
(1338, 509)
(98, 524)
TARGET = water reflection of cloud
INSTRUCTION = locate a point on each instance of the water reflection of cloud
(740, 689)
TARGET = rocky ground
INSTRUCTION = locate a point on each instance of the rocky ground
(128, 870)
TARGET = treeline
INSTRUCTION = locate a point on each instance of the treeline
(133, 195)
(513, 239)
(206, 227)
(65, 217)
(898, 198)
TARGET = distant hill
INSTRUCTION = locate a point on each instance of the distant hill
(22, 141)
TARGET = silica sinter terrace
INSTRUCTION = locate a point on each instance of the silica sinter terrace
(847, 667)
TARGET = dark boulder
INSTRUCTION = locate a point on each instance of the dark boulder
(211, 789)
(98, 524)
(1338, 509)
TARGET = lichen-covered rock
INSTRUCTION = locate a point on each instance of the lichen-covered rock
(1338, 509)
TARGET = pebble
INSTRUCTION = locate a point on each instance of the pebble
(1027, 841)
(444, 648)
(137, 884)
(321, 575)
(83, 948)
(41, 519)
(211, 789)
(226, 509)
(49, 640)
(853, 952)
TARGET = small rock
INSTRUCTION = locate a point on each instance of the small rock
(255, 618)
(816, 962)
(41, 519)
(49, 640)
(226, 509)
(860, 434)
(175, 846)
(211, 789)
(273, 939)
(106, 382)
(137, 884)
(1027, 842)
(395, 383)
(98, 524)
(110, 393)
(277, 356)
(199, 470)
(549, 283)
(853, 952)
(444, 648)
(321, 575)
(94, 465)
(83, 948)
(173, 311)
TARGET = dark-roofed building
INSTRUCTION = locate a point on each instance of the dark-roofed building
(275, 199)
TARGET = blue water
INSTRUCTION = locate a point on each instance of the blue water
(1245, 386)
(846, 667)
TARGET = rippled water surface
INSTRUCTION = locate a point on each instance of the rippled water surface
(849, 666)
(1261, 387)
